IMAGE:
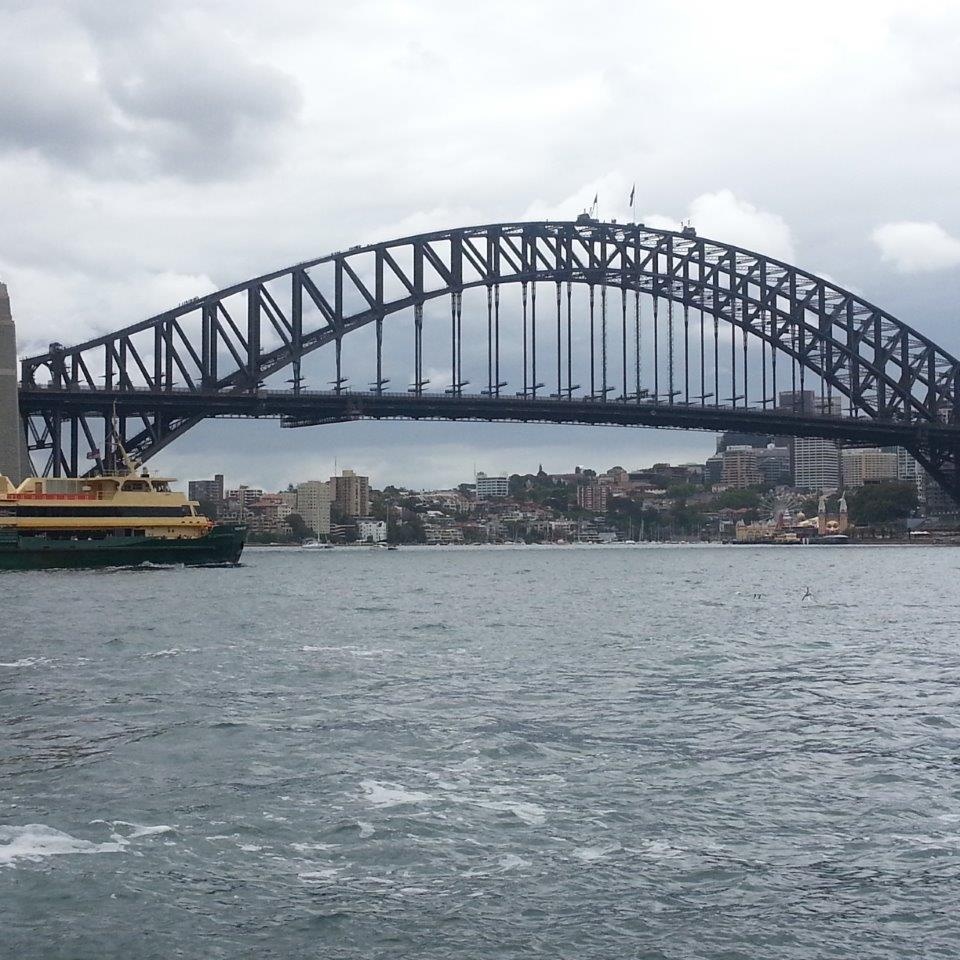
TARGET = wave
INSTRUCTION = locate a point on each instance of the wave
(36, 841)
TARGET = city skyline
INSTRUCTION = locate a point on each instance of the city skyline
(438, 472)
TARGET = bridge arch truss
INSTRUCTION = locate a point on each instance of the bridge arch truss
(580, 322)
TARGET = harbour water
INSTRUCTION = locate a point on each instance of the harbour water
(573, 752)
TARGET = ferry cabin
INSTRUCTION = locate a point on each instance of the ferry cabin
(94, 508)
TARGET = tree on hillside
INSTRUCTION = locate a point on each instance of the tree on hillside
(739, 499)
(882, 502)
(208, 508)
(298, 527)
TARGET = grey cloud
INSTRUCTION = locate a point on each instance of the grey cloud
(152, 95)
(48, 105)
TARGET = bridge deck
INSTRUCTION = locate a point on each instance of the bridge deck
(307, 408)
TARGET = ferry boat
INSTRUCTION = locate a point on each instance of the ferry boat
(115, 519)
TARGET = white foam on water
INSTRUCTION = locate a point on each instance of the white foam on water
(26, 662)
(249, 847)
(352, 650)
(36, 841)
(946, 841)
(530, 813)
(662, 850)
(589, 854)
(273, 816)
(171, 652)
(380, 794)
(366, 829)
(307, 847)
(510, 861)
(138, 830)
(318, 876)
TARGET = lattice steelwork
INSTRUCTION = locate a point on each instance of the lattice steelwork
(582, 322)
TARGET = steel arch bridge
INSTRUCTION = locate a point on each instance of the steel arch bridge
(636, 327)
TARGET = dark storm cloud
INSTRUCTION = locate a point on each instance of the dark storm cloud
(143, 92)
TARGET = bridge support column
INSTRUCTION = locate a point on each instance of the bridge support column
(11, 432)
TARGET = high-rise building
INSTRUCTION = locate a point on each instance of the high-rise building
(209, 491)
(713, 470)
(815, 463)
(907, 466)
(797, 401)
(490, 487)
(592, 496)
(237, 502)
(735, 438)
(313, 505)
(868, 466)
(740, 468)
(243, 494)
(773, 462)
(351, 493)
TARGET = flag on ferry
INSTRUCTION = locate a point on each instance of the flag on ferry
(632, 190)
(93, 454)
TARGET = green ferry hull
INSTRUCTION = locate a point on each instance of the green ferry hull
(222, 545)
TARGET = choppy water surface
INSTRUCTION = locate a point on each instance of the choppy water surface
(570, 752)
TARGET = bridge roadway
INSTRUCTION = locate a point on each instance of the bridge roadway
(308, 408)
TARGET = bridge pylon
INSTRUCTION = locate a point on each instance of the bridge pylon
(14, 461)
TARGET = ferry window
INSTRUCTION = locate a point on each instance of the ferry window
(161, 486)
(135, 485)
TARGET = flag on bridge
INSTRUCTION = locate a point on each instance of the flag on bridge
(632, 191)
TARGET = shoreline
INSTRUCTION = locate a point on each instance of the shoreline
(645, 545)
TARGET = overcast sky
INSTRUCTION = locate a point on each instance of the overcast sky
(150, 152)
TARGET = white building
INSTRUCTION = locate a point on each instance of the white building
(371, 531)
(815, 463)
(491, 487)
(868, 466)
(243, 495)
(436, 533)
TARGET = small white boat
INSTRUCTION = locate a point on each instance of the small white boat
(315, 545)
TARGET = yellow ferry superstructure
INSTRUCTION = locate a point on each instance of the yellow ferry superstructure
(101, 504)
(128, 517)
